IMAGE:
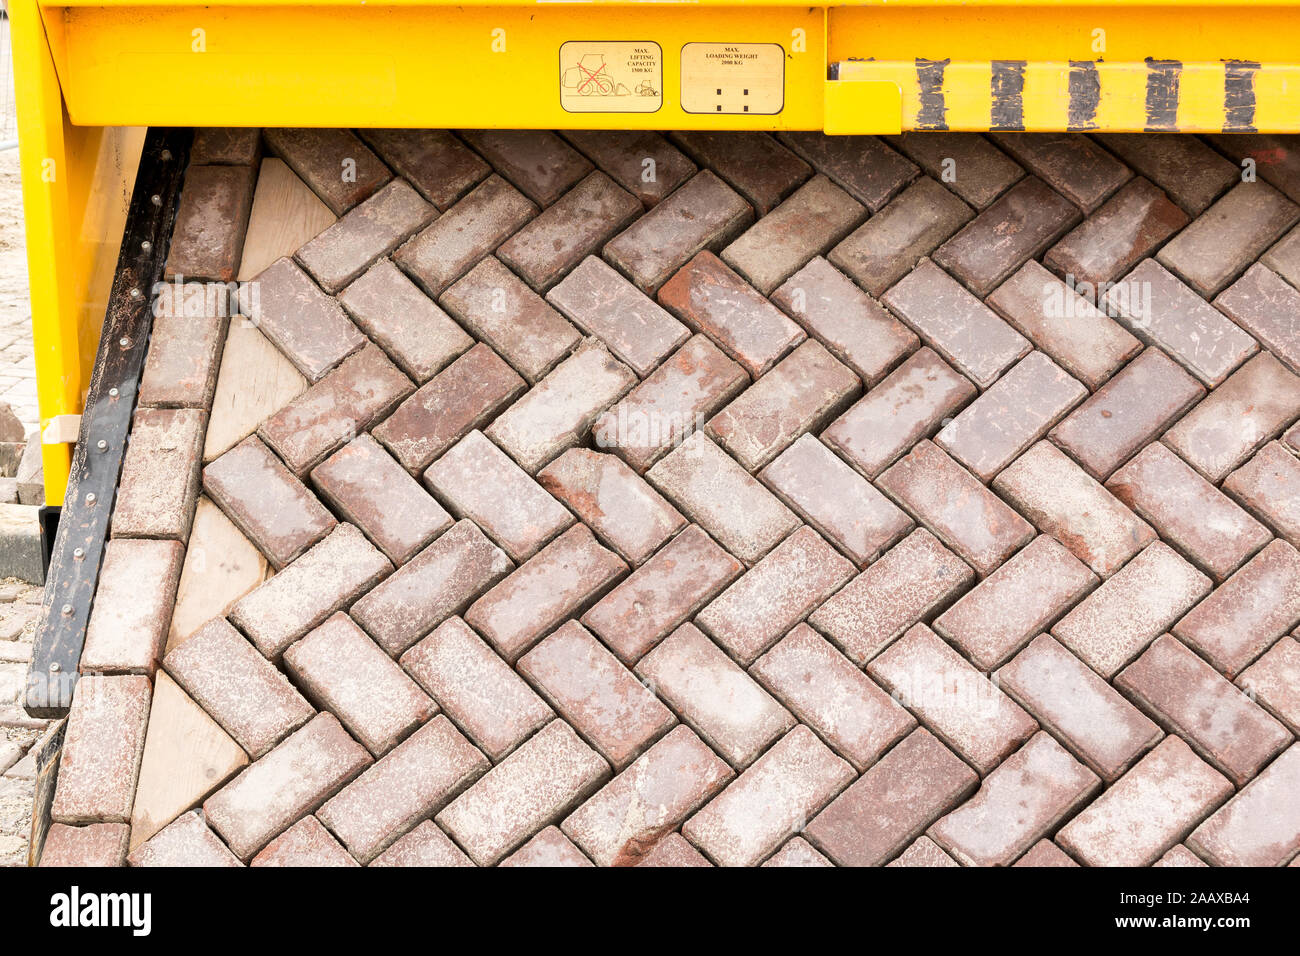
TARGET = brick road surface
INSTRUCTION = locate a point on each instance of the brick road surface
(805, 506)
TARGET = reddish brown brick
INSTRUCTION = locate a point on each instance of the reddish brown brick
(186, 841)
(309, 327)
(824, 690)
(914, 580)
(486, 217)
(1080, 709)
(160, 474)
(424, 846)
(712, 299)
(558, 411)
(238, 687)
(1229, 236)
(1086, 342)
(1147, 811)
(372, 229)
(862, 166)
(417, 335)
(956, 324)
(346, 673)
(755, 164)
(538, 162)
(266, 501)
(371, 490)
(556, 583)
(99, 844)
(836, 500)
(228, 145)
(952, 698)
(604, 304)
(1189, 171)
(436, 163)
(550, 848)
(1260, 825)
(888, 245)
(846, 320)
(1269, 487)
(1118, 620)
(1127, 412)
(331, 575)
(716, 493)
(438, 582)
(983, 172)
(207, 239)
(614, 501)
(964, 514)
(1160, 310)
(1253, 406)
(622, 154)
(1018, 803)
(1269, 309)
(1180, 856)
(797, 852)
(892, 803)
(185, 349)
(1123, 232)
(1017, 227)
(1236, 736)
(1284, 258)
(703, 214)
(802, 393)
(102, 747)
(1276, 159)
(1070, 163)
(333, 162)
(1274, 682)
(1014, 413)
(132, 607)
(1188, 512)
(578, 225)
(770, 801)
(478, 481)
(532, 788)
(289, 782)
(1017, 601)
(596, 694)
(812, 220)
(794, 579)
(416, 779)
(673, 850)
(714, 696)
(465, 395)
(658, 596)
(349, 400)
(1045, 853)
(1248, 612)
(675, 400)
(910, 404)
(476, 688)
(924, 852)
(496, 306)
(306, 843)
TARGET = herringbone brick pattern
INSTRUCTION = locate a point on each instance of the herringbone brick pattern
(714, 498)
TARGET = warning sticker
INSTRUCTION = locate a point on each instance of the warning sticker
(733, 78)
(611, 76)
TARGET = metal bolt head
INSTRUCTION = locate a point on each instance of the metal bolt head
(66, 610)
(166, 155)
(54, 666)
(156, 199)
(78, 553)
(124, 342)
(101, 445)
(136, 293)
(90, 498)
(146, 245)
(112, 392)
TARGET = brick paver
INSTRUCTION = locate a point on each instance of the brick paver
(718, 499)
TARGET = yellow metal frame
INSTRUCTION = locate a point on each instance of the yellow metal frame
(90, 73)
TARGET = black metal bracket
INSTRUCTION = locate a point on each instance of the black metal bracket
(83, 525)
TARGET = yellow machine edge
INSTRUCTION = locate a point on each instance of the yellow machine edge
(91, 75)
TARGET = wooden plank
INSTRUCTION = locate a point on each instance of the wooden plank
(255, 382)
(286, 213)
(186, 757)
(221, 566)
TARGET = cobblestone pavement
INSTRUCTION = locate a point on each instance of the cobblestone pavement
(20, 605)
(979, 547)
(17, 364)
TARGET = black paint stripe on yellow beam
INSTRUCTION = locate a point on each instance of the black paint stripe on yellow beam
(1239, 96)
(1085, 95)
(1007, 85)
(1163, 78)
(933, 111)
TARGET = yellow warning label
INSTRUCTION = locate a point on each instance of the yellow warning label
(611, 76)
(733, 78)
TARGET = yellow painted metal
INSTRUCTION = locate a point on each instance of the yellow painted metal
(76, 185)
